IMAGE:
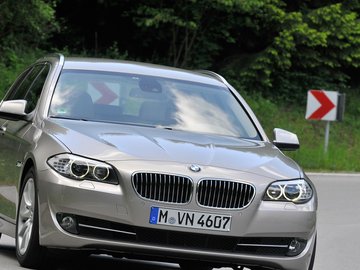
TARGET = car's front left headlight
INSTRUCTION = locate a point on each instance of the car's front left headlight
(80, 168)
(296, 191)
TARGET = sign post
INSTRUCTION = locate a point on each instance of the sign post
(327, 106)
(327, 135)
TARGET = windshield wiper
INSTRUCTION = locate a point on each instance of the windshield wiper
(69, 118)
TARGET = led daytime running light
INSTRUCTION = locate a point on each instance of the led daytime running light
(96, 174)
(74, 162)
(296, 191)
(285, 194)
(268, 192)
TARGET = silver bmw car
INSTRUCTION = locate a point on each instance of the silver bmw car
(141, 160)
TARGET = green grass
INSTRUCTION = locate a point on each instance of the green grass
(7, 208)
(344, 140)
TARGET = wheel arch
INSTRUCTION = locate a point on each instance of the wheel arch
(28, 164)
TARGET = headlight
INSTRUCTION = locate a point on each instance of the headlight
(80, 168)
(296, 191)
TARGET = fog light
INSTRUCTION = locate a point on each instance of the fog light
(68, 223)
(296, 247)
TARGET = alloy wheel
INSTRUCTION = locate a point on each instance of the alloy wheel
(26, 216)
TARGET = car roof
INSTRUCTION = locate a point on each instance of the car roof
(139, 68)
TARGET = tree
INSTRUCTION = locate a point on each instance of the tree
(26, 23)
(314, 48)
(25, 26)
(201, 33)
(279, 48)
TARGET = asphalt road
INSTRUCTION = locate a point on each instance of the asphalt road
(338, 233)
(338, 221)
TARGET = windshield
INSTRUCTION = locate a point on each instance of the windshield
(150, 101)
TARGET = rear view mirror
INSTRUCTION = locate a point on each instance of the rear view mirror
(285, 140)
(148, 84)
(13, 109)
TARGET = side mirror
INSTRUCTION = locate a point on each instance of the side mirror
(13, 109)
(285, 140)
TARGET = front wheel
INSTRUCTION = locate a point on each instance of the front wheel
(28, 250)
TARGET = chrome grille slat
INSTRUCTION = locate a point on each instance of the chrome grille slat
(173, 198)
(168, 188)
(242, 193)
(162, 187)
(224, 194)
(228, 195)
(221, 194)
(146, 186)
(163, 184)
(155, 187)
(236, 196)
(212, 190)
(182, 189)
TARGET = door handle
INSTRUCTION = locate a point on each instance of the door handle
(2, 130)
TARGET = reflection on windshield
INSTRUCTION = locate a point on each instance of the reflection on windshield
(150, 101)
(194, 113)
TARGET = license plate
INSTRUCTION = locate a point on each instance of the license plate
(198, 220)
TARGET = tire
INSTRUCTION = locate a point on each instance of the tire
(311, 265)
(28, 250)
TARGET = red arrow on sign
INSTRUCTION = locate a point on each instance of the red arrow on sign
(107, 96)
(326, 105)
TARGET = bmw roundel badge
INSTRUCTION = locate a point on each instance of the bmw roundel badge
(194, 168)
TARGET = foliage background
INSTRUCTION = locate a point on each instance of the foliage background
(272, 51)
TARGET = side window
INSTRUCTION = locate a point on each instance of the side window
(23, 87)
(34, 92)
(29, 86)
(11, 92)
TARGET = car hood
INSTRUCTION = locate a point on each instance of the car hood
(116, 142)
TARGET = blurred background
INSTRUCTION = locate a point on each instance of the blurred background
(271, 51)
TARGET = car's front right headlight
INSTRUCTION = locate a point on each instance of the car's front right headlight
(296, 191)
(80, 168)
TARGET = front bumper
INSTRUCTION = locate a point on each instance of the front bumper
(120, 205)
